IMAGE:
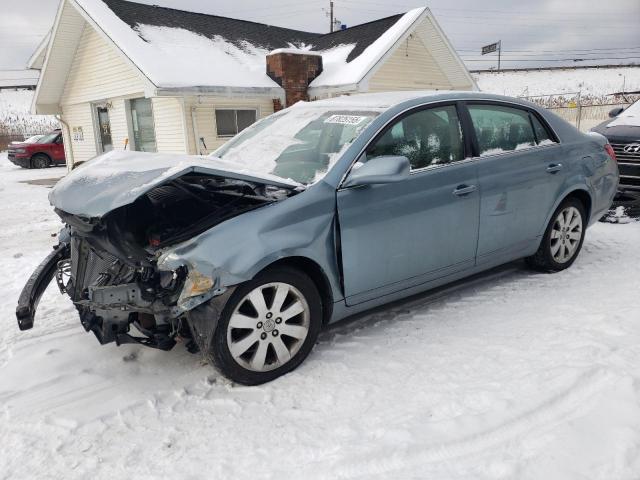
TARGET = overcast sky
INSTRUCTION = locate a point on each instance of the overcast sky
(533, 33)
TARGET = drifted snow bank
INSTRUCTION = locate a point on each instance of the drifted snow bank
(511, 375)
(590, 82)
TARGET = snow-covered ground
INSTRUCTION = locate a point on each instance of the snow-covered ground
(590, 82)
(510, 375)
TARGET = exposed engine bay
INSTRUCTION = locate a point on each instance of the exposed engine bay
(108, 265)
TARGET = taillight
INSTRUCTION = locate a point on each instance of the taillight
(609, 149)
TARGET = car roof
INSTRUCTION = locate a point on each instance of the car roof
(385, 100)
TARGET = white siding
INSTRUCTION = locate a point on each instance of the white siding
(99, 72)
(410, 67)
(169, 125)
(423, 61)
(449, 63)
(205, 119)
(80, 116)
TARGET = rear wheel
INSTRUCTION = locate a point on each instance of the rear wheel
(39, 160)
(563, 238)
(268, 327)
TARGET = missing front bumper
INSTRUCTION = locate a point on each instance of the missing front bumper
(37, 284)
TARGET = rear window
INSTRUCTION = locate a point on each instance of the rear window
(542, 134)
(501, 129)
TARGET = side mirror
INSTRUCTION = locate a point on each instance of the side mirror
(615, 112)
(379, 170)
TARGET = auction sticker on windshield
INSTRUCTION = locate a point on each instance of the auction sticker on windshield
(345, 119)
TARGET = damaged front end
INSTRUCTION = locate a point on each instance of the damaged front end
(108, 264)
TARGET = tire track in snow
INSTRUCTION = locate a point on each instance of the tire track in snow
(553, 411)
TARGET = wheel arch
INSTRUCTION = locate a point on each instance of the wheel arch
(316, 274)
(584, 197)
(581, 193)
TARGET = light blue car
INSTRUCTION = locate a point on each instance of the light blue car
(316, 213)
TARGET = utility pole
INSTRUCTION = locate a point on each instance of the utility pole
(499, 53)
(331, 20)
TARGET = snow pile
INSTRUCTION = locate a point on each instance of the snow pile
(510, 375)
(590, 82)
(15, 116)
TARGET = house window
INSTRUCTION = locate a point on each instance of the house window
(230, 122)
(144, 135)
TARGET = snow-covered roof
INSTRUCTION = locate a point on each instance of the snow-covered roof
(18, 78)
(177, 49)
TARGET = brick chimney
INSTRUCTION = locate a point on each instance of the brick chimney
(294, 70)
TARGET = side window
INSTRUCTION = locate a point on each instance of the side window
(542, 134)
(501, 129)
(427, 137)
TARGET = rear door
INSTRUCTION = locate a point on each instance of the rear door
(520, 171)
(398, 235)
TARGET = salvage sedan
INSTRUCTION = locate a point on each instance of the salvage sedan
(315, 213)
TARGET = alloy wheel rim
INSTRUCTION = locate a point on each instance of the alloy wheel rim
(566, 235)
(268, 327)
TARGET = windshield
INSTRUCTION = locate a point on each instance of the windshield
(301, 143)
(48, 138)
(33, 139)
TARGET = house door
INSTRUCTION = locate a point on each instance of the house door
(104, 130)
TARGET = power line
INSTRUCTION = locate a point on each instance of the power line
(554, 51)
(556, 59)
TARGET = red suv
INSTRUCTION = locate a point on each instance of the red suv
(44, 152)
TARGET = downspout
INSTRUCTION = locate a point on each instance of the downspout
(195, 130)
(68, 151)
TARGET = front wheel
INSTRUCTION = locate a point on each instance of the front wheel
(562, 241)
(39, 161)
(268, 327)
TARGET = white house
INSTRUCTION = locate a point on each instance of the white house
(126, 75)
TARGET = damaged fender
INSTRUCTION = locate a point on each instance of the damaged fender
(237, 250)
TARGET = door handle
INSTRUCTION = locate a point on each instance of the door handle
(554, 167)
(463, 190)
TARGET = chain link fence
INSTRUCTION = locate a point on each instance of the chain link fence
(583, 112)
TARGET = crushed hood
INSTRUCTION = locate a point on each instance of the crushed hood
(118, 178)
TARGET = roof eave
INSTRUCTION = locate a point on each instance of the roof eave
(36, 60)
(220, 90)
(34, 103)
(346, 88)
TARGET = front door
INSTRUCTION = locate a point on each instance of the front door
(399, 235)
(519, 175)
(57, 152)
(104, 130)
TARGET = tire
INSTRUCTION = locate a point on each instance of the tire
(561, 244)
(40, 160)
(248, 345)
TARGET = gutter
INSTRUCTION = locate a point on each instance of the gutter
(225, 91)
